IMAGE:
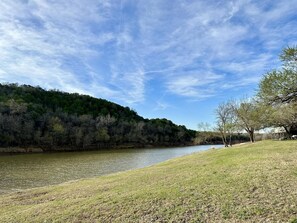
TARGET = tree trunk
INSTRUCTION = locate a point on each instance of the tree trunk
(225, 142)
(223, 135)
(251, 135)
(287, 130)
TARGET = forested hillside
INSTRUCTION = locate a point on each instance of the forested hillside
(54, 120)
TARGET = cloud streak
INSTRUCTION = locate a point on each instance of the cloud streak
(111, 49)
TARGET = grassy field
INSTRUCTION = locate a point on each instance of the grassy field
(246, 183)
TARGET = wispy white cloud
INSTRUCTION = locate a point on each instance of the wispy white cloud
(112, 49)
(197, 86)
(38, 37)
(229, 39)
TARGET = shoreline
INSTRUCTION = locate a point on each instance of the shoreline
(33, 150)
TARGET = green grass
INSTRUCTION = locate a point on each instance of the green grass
(246, 183)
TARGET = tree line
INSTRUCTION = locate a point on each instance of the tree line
(54, 120)
(273, 106)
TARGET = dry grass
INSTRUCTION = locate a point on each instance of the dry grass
(247, 183)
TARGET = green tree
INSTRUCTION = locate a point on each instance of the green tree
(278, 88)
(52, 120)
(284, 115)
(250, 116)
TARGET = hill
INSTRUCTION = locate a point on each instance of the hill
(246, 183)
(31, 117)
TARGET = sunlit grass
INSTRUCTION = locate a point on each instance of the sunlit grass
(252, 183)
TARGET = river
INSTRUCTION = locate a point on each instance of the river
(24, 171)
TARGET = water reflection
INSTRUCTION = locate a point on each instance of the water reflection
(34, 170)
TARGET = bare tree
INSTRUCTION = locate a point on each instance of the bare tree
(204, 133)
(226, 121)
(204, 127)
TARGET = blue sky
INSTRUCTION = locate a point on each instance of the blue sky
(174, 59)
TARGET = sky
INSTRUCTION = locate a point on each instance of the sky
(174, 59)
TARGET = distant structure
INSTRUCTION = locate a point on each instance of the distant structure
(277, 133)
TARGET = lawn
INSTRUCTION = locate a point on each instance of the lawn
(246, 183)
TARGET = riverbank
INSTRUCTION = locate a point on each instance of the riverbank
(246, 183)
(24, 150)
(20, 150)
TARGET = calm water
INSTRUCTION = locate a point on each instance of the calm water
(34, 170)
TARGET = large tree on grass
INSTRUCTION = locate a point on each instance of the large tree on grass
(285, 115)
(250, 116)
(278, 88)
